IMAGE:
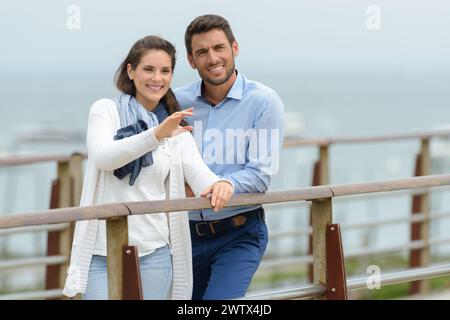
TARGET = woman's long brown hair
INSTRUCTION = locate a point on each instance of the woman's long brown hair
(126, 85)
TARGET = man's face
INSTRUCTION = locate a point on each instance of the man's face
(213, 56)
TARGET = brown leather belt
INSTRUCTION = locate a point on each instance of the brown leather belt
(216, 228)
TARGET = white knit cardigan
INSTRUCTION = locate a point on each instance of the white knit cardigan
(106, 154)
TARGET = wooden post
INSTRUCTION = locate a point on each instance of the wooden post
(117, 239)
(76, 174)
(320, 177)
(420, 230)
(52, 276)
(64, 200)
(321, 217)
(66, 192)
(324, 177)
(336, 279)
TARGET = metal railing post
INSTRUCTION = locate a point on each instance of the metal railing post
(420, 230)
(321, 217)
(117, 239)
(336, 279)
(132, 286)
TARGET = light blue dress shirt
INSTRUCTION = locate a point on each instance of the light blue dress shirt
(240, 138)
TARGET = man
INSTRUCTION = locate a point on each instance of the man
(238, 126)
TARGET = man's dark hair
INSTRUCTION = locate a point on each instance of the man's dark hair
(206, 23)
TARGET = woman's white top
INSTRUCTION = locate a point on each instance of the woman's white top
(182, 163)
(147, 232)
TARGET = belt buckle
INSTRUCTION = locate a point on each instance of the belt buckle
(211, 226)
(196, 228)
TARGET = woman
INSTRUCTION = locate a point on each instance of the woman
(139, 134)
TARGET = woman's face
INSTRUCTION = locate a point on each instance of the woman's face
(152, 77)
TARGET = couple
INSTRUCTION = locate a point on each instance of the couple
(145, 132)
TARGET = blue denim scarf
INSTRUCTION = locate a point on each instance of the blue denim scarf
(134, 119)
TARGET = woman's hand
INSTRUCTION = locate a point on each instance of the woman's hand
(221, 192)
(171, 125)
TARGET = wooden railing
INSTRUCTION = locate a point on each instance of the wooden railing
(67, 188)
(420, 203)
(328, 259)
(65, 192)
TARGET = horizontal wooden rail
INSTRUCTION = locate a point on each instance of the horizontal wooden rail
(63, 215)
(13, 160)
(307, 194)
(18, 160)
(362, 252)
(355, 283)
(283, 294)
(365, 196)
(28, 262)
(30, 295)
(391, 185)
(295, 142)
(414, 274)
(47, 228)
(305, 231)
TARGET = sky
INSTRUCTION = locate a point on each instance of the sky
(283, 34)
(335, 63)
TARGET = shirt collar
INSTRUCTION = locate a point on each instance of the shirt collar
(236, 91)
(198, 91)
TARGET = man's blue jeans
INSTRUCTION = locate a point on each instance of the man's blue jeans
(224, 264)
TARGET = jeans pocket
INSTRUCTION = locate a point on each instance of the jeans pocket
(263, 235)
(260, 234)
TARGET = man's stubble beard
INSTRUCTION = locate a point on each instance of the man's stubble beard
(218, 82)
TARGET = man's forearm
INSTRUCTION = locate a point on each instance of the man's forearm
(248, 181)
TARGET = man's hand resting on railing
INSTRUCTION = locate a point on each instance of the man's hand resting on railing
(220, 192)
